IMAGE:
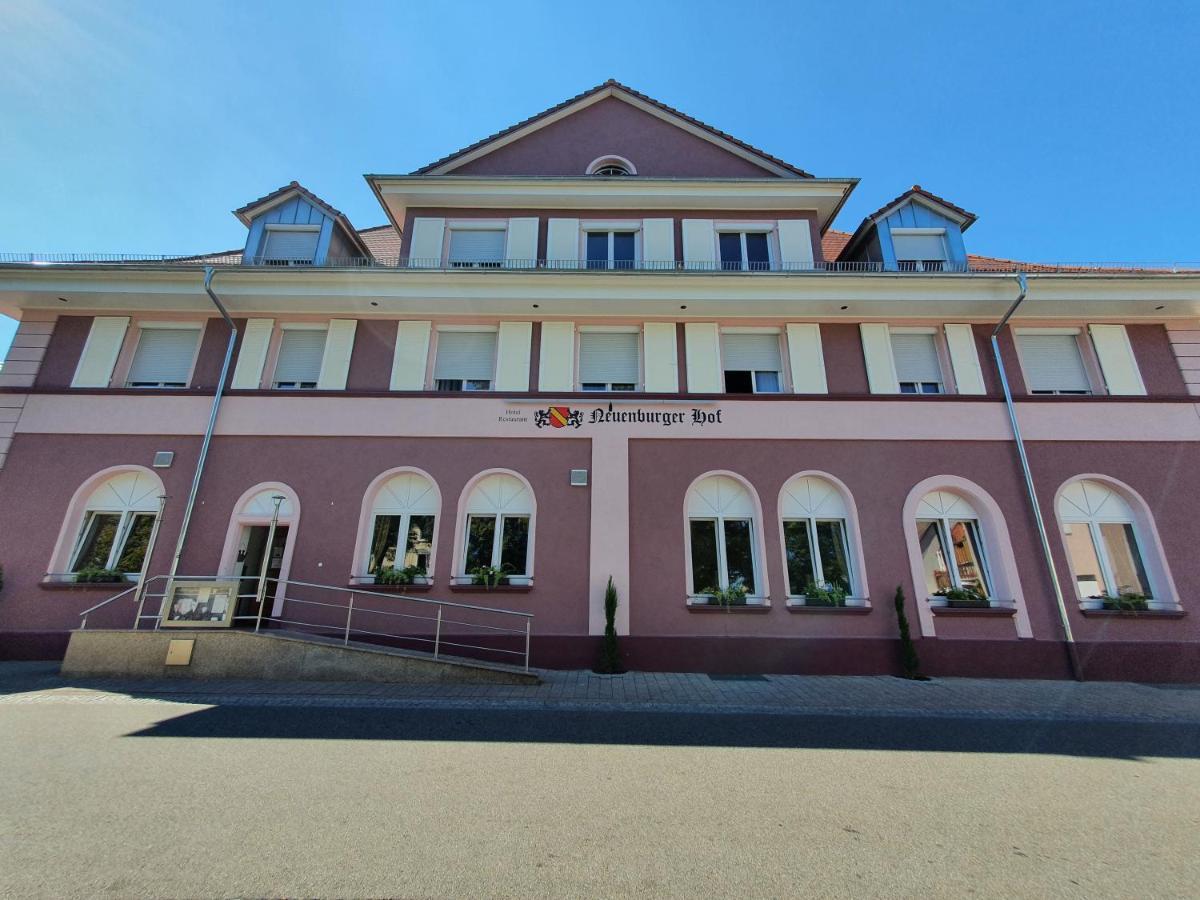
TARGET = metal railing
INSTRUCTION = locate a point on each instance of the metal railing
(435, 624)
(437, 264)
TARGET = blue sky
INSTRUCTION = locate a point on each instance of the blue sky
(1069, 128)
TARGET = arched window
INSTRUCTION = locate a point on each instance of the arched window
(611, 165)
(1103, 542)
(816, 537)
(722, 540)
(403, 524)
(498, 528)
(116, 520)
(951, 545)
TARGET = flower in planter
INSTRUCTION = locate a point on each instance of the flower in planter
(407, 575)
(825, 594)
(964, 598)
(734, 595)
(1128, 601)
(488, 576)
(98, 575)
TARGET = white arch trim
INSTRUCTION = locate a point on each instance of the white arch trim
(255, 507)
(831, 500)
(89, 495)
(1002, 563)
(1154, 557)
(383, 497)
(752, 510)
(518, 503)
(610, 159)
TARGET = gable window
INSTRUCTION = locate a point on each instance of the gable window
(721, 538)
(298, 366)
(752, 362)
(118, 520)
(611, 249)
(815, 544)
(610, 166)
(403, 520)
(608, 360)
(466, 360)
(498, 527)
(163, 358)
(290, 245)
(948, 537)
(918, 369)
(476, 248)
(919, 249)
(1102, 542)
(745, 250)
(1052, 362)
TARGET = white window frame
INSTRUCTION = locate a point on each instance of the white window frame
(143, 327)
(589, 227)
(918, 265)
(1087, 355)
(770, 229)
(761, 594)
(782, 373)
(1100, 547)
(264, 260)
(610, 159)
(941, 351)
(433, 351)
(723, 555)
(944, 533)
(278, 341)
(818, 573)
(608, 388)
(125, 522)
(474, 225)
(498, 539)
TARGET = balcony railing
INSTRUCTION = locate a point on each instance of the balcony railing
(974, 266)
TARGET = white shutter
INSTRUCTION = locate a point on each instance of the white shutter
(425, 246)
(298, 246)
(335, 363)
(751, 353)
(512, 356)
(795, 244)
(919, 246)
(658, 243)
(608, 357)
(411, 356)
(556, 362)
(469, 355)
(163, 356)
(562, 243)
(964, 357)
(915, 357)
(1117, 362)
(252, 354)
(100, 352)
(807, 359)
(699, 245)
(661, 354)
(471, 246)
(300, 353)
(702, 350)
(520, 247)
(877, 353)
(1051, 362)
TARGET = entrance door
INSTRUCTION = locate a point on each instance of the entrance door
(251, 552)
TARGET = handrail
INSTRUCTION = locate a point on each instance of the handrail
(391, 596)
(91, 609)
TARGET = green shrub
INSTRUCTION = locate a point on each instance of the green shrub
(734, 595)
(407, 575)
(963, 598)
(824, 595)
(908, 650)
(488, 576)
(1128, 601)
(98, 575)
(610, 657)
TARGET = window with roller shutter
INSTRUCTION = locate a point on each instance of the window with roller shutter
(1052, 363)
(163, 357)
(476, 248)
(918, 251)
(752, 362)
(290, 246)
(298, 366)
(918, 369)
(608, 361)
(466, 360)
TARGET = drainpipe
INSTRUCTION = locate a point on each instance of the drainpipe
(1072, 649)
(208, 432)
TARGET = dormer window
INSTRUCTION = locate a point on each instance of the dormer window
(609, 166)
(920, 249)
(290, 245)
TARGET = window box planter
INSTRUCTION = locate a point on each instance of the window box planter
(523, 581)
(468, 588)
(1133, 613)
(704, 604)
(984, 611)
(417, 587)
(852, 607)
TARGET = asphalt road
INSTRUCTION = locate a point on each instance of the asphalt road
(164, 799)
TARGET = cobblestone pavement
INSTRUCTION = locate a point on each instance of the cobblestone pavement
(651, 691)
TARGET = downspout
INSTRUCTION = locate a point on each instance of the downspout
(1072, 649)
(208, 432)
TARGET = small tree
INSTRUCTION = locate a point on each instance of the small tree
(908, 651)
(610, 657)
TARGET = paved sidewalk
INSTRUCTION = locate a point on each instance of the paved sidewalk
(649, 692)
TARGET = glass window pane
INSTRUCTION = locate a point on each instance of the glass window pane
(1124, 558)
(383, 544)
(623, 244)
(766, 382)
(933, 558)
(968, 556)
(514, 545)
(99, 532)
(831, 544)
(1089, 577)
(756, 250)
(739, 555)
(597, 249)
(481, 533)
(420, 542)
(739, 383)
(731, 250)
(133, 553)
(704, 556)
(799, 556)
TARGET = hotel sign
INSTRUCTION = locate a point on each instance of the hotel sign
(574, 417)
